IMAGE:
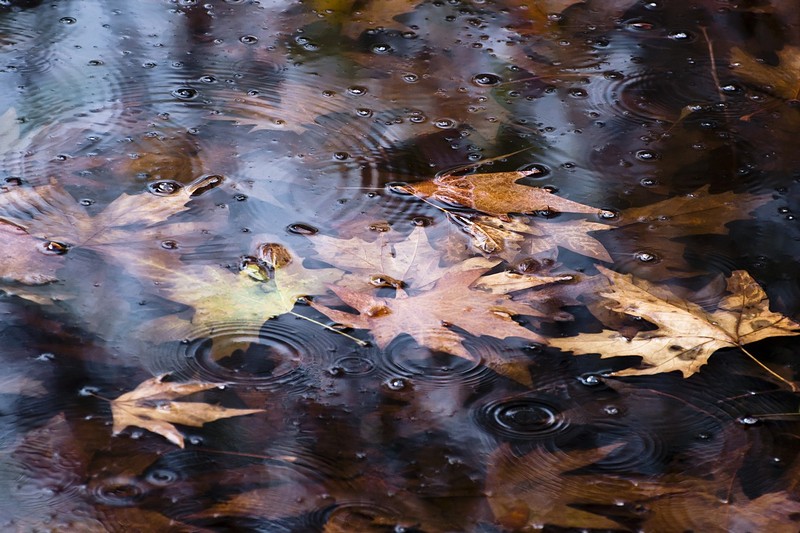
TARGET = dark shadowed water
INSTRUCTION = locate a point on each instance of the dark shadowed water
(211, 193)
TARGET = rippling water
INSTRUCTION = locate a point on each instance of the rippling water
(170, 172)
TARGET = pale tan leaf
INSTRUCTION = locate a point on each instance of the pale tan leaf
(150, 407)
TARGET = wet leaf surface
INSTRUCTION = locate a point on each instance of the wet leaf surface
(405, 265)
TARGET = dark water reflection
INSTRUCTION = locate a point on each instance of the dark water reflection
(308, 112)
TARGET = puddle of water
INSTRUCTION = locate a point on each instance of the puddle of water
(171, 171)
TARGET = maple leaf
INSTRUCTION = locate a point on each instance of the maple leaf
(411, 261)
(428, 316)
(783, 80)
(496, 193)
(150, 406)
(51, 214)
(220, 296)
(687, 335)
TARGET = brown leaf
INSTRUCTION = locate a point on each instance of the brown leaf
(535, 490)
(428, 316)
(150, 406)
(25, 259)
(687, 335)
(783, 80)
(496, 194)
(696, 213)
(51, 214)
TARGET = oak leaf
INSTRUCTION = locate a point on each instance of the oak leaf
(496, 193)
(150, 406)
(687, 334)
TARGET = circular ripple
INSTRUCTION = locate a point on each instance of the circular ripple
(282, 353)
(521, 418)
(407, 359)
(358, 516)
(118, 491)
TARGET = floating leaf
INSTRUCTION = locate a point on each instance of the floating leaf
(150, 406)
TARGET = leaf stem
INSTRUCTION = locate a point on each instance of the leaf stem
(326, 326)
(765, 367)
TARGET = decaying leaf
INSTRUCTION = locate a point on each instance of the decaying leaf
(687, 335)
(386, 262)
(150, 406)
(219, 296)
(497, 193)
(783, 80)
(534, 491)
(429, 316)
(52, 215)
(25, 259)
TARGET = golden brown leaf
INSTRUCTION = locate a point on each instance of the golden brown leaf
(687, 335)
(496, 194)
(783, 80)
(150, 406)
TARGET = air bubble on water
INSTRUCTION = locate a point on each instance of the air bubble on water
(88, 390)
(54, 248)
(486, 79)
(590, 380)
(645, 257)
(357, 90)
(410, 78)
(169, 244)
(748, 420)
(47, 356)
(577, 93)
(164, 187)
(68, 20)
(185, 93)
(444, 123)
(381, 48)
(646, 155)
(396, 383)
(299, 228)
(248, 39)
(681, 36)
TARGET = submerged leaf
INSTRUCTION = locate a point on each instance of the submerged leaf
(150, 406)
(783, 79)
